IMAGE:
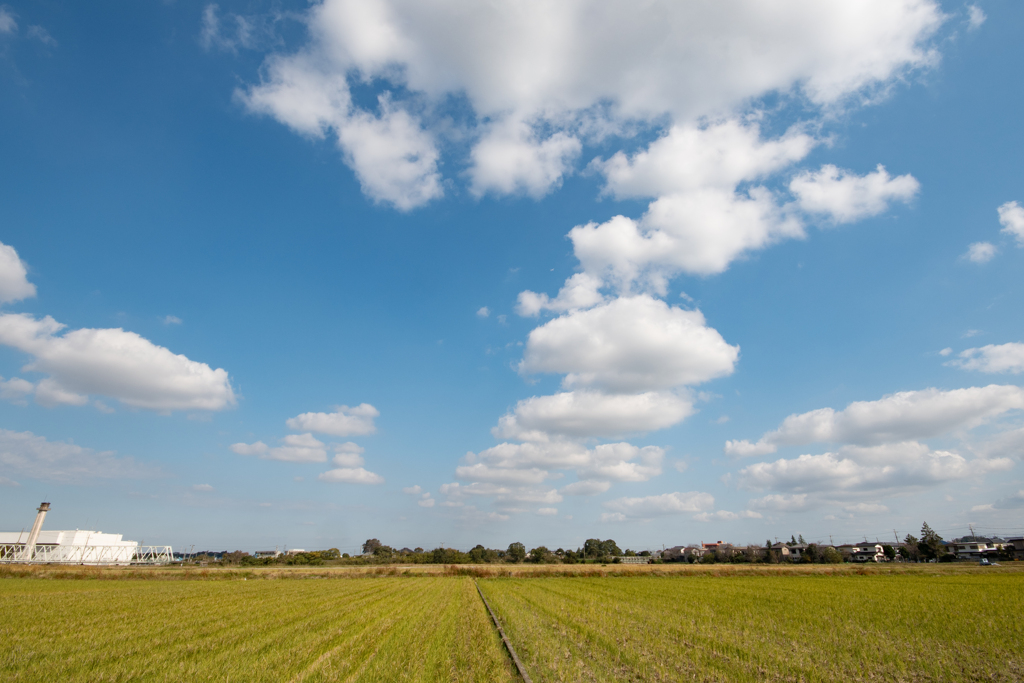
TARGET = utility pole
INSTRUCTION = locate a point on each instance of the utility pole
(896, 536)
(974, 536)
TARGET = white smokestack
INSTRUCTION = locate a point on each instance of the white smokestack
(30, 545)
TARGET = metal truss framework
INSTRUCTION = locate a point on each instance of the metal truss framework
(15, 553)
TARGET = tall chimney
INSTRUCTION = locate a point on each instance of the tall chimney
(30, 545)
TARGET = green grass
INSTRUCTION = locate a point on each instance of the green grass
(359, 629)
(797, 627)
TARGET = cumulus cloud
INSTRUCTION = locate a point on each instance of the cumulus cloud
(900, 465)
(348, 454)
(866, 509)
(587, 413)
(547, 512)
(845, 197)
(580, 291)
(726, 516)
(350, 475)
(15, 389)
(503, 494)
(904, 416)
(14, 284)
(413, 490)
(661, 505)
(992, 358)
(203, 488)
(980, 252)
(1011, 216)
(114, 363)
(344, 421)
(585, 487)
(426, 501)
(629, 344)
(1014, 501)
(511, 159)
(27, 455)
(795, 502)
(542, 83)
(483, 312)
(294, 448)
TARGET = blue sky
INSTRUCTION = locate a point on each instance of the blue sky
(308, 261)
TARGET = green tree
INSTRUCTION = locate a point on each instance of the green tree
(810, 554)
(540, 555)
(890, 552)
(831, 556)
(930, 546)
(910, 550)
(371, 545)
(516, 552)
(609, 548)
(592, 547)
(384, 553)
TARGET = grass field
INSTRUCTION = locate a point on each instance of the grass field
(798, 627)
(416, 629)
(910, 623)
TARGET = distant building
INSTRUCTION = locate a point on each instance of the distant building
(1018, 547)
(790, 551)
(862, 552)
(260, 554)
(634, 559)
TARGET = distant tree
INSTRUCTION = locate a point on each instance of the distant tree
(644, 553)
(630, 553)
(801, 539)
(478, 554)
(592, 547)
(570, 557)
(910, 550)
(792, 540)
(383, 552)
(371, 545)
(540, 555)
(890, 552)
(516, 552)
(417, 550)
(831, 556)
(345, 555)
(610, 548)
(930, 546)
(810, 554)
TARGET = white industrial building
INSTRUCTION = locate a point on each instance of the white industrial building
(75, 547)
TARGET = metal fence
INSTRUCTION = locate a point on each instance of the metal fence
(85, 554)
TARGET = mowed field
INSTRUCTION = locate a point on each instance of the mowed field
(704, 625)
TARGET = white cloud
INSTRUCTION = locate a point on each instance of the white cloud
(587, 413)
(503, 494)
(866, 509)
(295, 448)
(202, 487)
(483, 312)
(726, 516)
(350, 475)
(992, 358)
(664, 504)
(347, 454)
(510, 159)
(580, 291)
(975, 17)
(500, 475)
(15, 389)
(4, 481)
(845, 197)
(7, 22)
(344, 421)
(235, 31)
(544, 79)
(901, 465)
(547, 512)
(585, 487)
(42, 35)
(795, 502)
(426, 501)
(1011, 216)
(530, 463)
(114, 363)
(980, 252)
(629, 344)
(258, 448)
(413, 490)
(172, 320)
(946, 351)
(902, 416)
(49, 393)
(14, 284)
(28, 455)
